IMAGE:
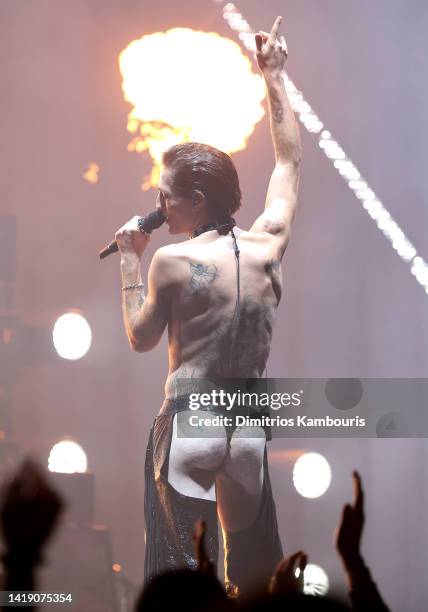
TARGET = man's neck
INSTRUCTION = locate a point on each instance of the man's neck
(223, 227)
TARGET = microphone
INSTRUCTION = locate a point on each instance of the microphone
(146, 225)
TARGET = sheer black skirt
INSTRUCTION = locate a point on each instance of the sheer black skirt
(251, 555)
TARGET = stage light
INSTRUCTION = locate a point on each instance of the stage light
(346, 168)
(187, 85)
(72, 336)
(315, 580)
(311, 475)
(67, 457)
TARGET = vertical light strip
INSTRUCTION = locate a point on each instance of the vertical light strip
(343, 164)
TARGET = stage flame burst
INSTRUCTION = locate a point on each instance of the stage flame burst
(187, 85)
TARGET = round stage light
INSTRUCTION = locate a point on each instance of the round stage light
(67, 457)
(315, 580)
(72, 336)
(311, 475)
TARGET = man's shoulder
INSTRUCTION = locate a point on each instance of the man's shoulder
(167, 263)
(170, 252)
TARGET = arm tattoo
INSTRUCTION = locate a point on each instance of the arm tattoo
(273, 227)
(141, 298)
(130, 302)
(273, 266)
(276, 106)
(273, 269)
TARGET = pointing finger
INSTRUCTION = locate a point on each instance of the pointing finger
(274, 31)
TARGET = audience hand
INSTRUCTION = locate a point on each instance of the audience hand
(349, 531)
(284, 580)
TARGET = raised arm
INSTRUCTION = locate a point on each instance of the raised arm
(363, 591)
(145, 314)
(281, 197)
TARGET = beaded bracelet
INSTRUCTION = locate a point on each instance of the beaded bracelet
(135, 286)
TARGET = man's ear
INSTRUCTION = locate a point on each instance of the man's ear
(198, 199)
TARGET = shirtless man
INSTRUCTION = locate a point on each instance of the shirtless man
(192, 289)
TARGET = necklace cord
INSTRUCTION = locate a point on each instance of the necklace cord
(223, 229)
(236, 312)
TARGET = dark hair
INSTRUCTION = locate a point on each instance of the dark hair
(207, 169)
(184, 589)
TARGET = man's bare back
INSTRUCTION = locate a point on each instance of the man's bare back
(206, 340)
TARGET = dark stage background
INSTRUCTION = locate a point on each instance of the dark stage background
(350, 306)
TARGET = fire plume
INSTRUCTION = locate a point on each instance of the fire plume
(187, 85)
